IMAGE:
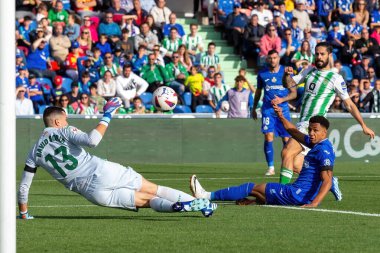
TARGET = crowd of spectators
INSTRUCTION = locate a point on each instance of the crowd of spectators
(294, 27)
(108, 48)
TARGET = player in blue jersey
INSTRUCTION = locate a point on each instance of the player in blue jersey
(270, 80)
(310, 188)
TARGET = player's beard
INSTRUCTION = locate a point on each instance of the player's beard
(321, 64)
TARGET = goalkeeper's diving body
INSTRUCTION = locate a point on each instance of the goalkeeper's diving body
(310, 188)
(59, 151)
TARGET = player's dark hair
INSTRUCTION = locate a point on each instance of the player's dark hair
(273, 51)
(325, 45)
(211, 44)
(321, 120)
(50, 112)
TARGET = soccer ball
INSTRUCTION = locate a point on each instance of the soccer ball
(164, 98)
(225, 106)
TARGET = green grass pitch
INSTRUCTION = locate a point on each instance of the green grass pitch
(66, 222)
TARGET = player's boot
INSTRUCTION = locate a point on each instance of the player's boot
(197, 189)
(209, 210)
(192, 206)
(270, 172)
(335, 189)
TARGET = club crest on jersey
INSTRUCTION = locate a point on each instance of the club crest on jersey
(311, 88)
(306, 164)
(274, 80)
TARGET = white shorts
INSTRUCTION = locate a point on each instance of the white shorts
(303, 128)
(113, 185)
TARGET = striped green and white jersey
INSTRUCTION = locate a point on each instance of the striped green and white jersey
(216, 93)
(171, 45)
(192, 42)
(209, 60)
(321, 87)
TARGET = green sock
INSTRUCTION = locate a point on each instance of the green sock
(285, 175)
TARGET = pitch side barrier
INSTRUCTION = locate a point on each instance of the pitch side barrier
(199, 138)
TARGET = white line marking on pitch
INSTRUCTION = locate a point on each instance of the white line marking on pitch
(64, 206)
(268, 206)
(325, 210)
(212, 178)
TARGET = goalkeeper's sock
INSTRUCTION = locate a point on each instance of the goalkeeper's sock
(173, 194)
(233, 193)
(161, 205)
(269, 153)
(285, 175)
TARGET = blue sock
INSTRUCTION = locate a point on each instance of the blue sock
(269, 152)
(233, 193)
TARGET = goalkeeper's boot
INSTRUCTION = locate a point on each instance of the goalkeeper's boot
(197, 189)
(192, 206)
(209, 210)
(335, 189)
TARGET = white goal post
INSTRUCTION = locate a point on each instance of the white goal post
(7, 128)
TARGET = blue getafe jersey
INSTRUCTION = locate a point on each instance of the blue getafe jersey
(320, 157)
(271, 83)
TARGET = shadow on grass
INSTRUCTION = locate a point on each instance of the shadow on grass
(131, 218)
(56, 194)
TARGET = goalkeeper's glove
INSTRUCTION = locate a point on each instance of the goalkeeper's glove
(25, 216)
(110, 108)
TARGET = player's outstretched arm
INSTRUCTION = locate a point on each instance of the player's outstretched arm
(351, 107)
(292, 129)
(287, 80)
(23, 192)
(326, 176)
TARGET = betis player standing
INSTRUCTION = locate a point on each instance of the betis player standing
(321, 87)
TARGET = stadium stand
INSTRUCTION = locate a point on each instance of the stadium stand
(237, 30)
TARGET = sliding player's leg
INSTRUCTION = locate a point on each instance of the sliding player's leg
(182, 200)
(230, 193)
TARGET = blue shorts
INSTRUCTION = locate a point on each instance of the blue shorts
(271, 124)
(281, 194)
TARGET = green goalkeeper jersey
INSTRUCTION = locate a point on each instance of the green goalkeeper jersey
(321, 87)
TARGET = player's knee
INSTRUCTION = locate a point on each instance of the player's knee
(142, 199)
(286, 153)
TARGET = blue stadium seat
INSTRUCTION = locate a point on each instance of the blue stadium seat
(146, 98)
(203, 109)
(44, 80)
(187, 98)
(41, 108)
(346, 69)
(46, 84)
(66, 83)
(182, 109)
